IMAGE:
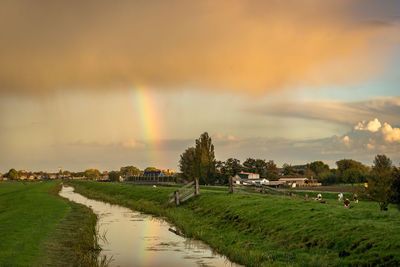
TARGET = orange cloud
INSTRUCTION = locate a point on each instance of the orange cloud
(240, 45)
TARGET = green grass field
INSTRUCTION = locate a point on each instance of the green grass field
(265, 230)
(39, 228)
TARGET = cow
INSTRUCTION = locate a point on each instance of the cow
(346, 202)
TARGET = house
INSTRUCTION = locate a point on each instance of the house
(23, 177)
(236, 180)
(248, 175)
(247, 178)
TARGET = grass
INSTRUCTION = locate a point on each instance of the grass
(265, 230)
(39, 228)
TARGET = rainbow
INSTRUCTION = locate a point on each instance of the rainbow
(149, 122)
(150, 230)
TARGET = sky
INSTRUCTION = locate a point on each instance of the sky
(95, 84)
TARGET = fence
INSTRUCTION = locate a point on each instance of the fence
(185, 193)
(152, 180)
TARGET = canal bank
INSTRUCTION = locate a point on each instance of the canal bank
(265, 230)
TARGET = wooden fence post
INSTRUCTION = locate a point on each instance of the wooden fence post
(262, 190)
(177, 197)
(197, 187)
(230, 185)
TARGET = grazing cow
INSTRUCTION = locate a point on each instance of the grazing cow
(319, 197)
(340, 196)
(346, 202)
(355, 197)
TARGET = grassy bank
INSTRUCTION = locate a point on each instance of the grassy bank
(262, 230)
(39, 228)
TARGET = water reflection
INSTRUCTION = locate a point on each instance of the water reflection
(136, 239)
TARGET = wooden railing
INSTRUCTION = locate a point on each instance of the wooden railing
(184, 193)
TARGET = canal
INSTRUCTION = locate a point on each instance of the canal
(136, 239)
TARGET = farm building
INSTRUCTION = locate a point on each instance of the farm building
(248, 175)
(247, 178)
(293, 182)
(260, 181)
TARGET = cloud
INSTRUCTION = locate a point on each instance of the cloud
(370, 146)
(247, 46)
(387, 132)
(346, 140)
(372, 126)
(343, 112)
(131, 143)
(221, 137)
(391, 134)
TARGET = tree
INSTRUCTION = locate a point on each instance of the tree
(288, 170)
(205, 159)
(187, 163)
(250, 165)
(12, 174)
(318, 167)
(113, 176)
(396, 187)
(351, 171)
(380, 181)
(271, 171)
(92, 174)
(151, 169)
(129, 171)
(231, 167)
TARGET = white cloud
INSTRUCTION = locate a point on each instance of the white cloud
(372, 126)
(390, 134)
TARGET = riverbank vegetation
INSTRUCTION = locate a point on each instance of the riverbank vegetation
(39, 228)
(264, 230)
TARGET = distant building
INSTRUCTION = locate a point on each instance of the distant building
(248, 175)
(276, 183)
(246, 178)
(293, 181)
(153, 174)
(168, 172)
(262, 181)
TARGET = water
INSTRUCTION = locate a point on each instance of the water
(137, 239)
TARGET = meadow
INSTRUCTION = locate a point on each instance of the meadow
(269, 230)
(39, 228)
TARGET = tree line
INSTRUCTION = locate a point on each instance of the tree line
(91, 174)
(383, 177)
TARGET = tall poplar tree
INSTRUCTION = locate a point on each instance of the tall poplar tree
(205, 168)
(199, 162)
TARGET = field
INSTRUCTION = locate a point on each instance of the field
(265, 230)
(39, 228)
